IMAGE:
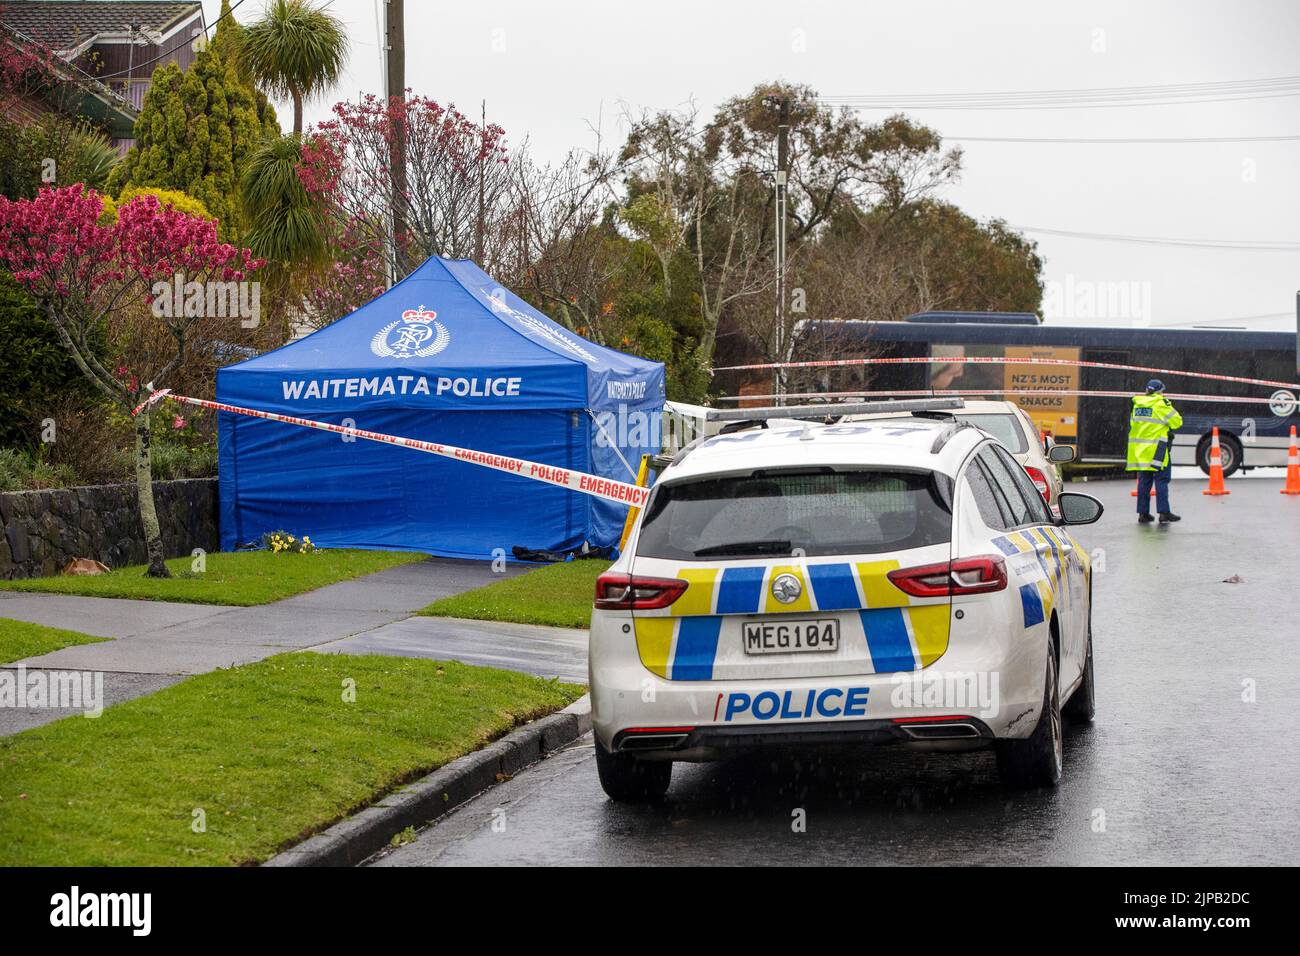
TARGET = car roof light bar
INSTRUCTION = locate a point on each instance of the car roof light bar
(835, 411)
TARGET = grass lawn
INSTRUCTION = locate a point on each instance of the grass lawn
(18, 639)
(268, 752)
(241, 578)
(558, 594)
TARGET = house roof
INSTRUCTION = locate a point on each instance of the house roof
(73, 91)
(65, 25)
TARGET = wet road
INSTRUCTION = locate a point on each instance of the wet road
(1180, 766)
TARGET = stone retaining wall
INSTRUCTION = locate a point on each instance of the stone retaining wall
(43, 530)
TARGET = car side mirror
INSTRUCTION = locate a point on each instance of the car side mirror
(1078, 509)
(1061, 454)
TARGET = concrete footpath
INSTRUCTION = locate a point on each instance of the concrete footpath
(545, 651)
(156, 644)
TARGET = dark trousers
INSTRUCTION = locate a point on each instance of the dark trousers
(1161, 479)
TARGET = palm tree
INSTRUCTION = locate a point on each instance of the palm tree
(296, 50)
(286, 225)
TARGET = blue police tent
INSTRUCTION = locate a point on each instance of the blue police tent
(446, 355)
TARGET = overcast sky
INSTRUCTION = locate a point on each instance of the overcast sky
(552, 71)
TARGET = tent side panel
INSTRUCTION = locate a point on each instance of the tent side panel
(227, 480)
(361, 494)
(629, 407)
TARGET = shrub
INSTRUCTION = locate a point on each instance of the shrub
(177, 461)
(34, 368)
(174, 198)
(90, 442)
(19, 471)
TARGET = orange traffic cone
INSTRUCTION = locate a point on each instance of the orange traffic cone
(1216, 467)
(1134, 492)
(1292, 468)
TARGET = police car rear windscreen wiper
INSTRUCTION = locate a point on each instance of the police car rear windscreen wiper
(746, 547)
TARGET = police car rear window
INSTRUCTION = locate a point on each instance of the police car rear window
(1004, 428)
(779, 512)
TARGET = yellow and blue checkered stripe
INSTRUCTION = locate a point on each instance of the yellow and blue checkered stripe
(1038, 598)
(900, 635)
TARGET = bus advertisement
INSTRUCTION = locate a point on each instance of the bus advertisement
(1055, 415)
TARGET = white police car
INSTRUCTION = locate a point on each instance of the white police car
(888, 581)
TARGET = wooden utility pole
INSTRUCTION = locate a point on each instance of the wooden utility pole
(782, 176)
(395, 86)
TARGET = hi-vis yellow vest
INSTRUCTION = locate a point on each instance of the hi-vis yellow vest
(1150, 423)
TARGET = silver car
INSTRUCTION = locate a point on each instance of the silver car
(1012, 426)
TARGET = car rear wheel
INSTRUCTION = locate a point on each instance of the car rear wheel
(1081, 706)
(629, 780)
(1037, 760)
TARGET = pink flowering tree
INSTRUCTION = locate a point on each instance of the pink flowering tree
(452, 196)
(27, 66)
(354, 274)
(142, 286)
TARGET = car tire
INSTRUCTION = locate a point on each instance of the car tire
(1082, 706)
(1229, 449)
(628, 780)
(1037, 760)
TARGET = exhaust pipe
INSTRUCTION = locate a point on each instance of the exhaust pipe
(665, 738)
(945, 730)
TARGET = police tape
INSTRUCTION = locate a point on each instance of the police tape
(1002, 360)
(1289, 403)
(580, 481)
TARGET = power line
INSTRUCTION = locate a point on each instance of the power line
(1201, 87)
(108, 76)
(1047, 105)
(1126, 140)
(1094, 94)
(1259, 246)
(1150, 95)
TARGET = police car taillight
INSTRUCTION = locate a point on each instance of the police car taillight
(1040, 482)
(964, 576)
(627, 592)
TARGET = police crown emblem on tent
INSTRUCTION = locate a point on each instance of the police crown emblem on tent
(417, 334)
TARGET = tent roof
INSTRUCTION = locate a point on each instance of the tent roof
(447, 315)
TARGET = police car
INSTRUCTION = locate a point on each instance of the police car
(797, 583)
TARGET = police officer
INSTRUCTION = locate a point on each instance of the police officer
(1150, 433)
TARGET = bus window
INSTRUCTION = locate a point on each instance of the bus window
(1103, 434)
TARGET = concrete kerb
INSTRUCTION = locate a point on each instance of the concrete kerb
(360, 836)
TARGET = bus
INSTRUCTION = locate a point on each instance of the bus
(1252, 435)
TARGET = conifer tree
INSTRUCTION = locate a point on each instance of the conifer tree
(196, 129)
